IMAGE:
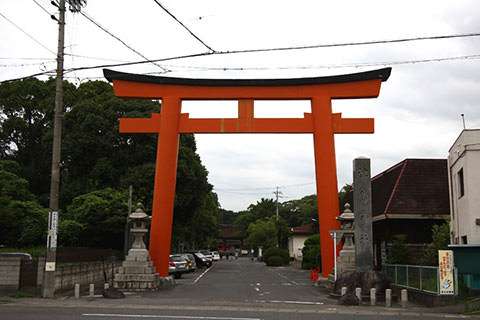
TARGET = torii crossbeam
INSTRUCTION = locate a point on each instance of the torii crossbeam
(170, 122)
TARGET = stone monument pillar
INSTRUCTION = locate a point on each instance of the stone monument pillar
(362, 203)
(346, 257)
(137, 272)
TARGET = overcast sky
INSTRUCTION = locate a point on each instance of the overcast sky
(417, 115)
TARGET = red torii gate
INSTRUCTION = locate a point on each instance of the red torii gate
(170, 122)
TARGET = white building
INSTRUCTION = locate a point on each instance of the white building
(464, 182)
(296, 241)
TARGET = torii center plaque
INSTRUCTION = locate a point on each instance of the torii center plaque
(320, 122)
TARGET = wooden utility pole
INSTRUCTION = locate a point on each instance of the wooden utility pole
(48, 288)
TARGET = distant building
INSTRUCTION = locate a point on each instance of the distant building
(229, 239)
(464, 181)
(408, 198)
(297, 240)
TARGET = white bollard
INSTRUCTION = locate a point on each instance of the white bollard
(388, 297)
(91, 290)
(373, 296)
(77, 291)
(343, 291)
(105, 285)
(358, 293)
(404, 298)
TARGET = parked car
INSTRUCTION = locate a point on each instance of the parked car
(215, 256)
(171, 268)
(180, 265)
(207, 254)
(201, 260)
(192, 265)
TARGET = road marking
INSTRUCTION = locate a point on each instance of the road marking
(203, 273)
(119, 315)
(287, 301)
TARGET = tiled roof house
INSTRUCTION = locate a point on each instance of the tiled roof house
(408, 198)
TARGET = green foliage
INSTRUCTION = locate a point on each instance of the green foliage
(70, 232)
(226, 216)
(345, 189)
(102, 214)
(399, 252)
(277, 252)
(95, 156)
(24, 223)
(300, 212)
(311, 253)
(274, 261)
(263, 233)
(440, 241)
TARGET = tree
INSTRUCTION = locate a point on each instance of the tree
(24, 220)
(440, 241)
(399, 252)
(27, 108)
(345, 189)
(263, 233)
(311, 253)
(262, 209)
(102, 215)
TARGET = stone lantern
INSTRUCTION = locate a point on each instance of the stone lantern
(137, 272)
(139, 229)
(346, 258)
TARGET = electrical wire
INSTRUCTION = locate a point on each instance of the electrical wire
(38, 4)
(31, 37)
(120, 40)
(175, 18)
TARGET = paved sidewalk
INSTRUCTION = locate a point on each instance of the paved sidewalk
(322, 304)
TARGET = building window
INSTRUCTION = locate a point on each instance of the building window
(461, 185)
(464, 240)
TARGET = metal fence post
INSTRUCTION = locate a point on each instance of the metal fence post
(406, 273)
(421, 278)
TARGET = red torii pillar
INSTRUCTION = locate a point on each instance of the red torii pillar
(170, 122)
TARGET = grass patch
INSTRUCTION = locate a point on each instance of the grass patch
(20, 294)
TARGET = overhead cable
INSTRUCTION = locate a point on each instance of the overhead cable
(31, 37)
(121, 41)
(175, 18)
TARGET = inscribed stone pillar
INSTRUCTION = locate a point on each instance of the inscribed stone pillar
(362, 204)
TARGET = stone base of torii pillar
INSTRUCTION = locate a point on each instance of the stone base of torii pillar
(137, 272)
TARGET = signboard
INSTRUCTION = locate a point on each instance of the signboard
(445, 269)
(52, 230)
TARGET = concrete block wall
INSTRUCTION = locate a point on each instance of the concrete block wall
(10, 273)
(66, 276)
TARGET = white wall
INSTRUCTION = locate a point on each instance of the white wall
(464, 210)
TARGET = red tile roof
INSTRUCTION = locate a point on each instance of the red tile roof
(305, 229)
(413, 186)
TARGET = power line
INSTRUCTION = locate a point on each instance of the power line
(38, 4)
(31, 37)
(175, 18)
(120, 40)
(203, 54)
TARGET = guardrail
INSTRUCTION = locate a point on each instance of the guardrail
(423, 278)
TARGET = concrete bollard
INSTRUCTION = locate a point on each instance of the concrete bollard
(91, 290)
(358, 293)
(404, 298)
(388, 297)
(77, 291)
(106, 285)
(373, 296)
(343, 291)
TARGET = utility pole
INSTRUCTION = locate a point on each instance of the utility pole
(48, 287)
(277, 193)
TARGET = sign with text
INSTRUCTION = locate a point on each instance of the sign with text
(445, 268)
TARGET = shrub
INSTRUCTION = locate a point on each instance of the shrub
(311, 253)
(399, 252)
(274, 261)
(282, 253)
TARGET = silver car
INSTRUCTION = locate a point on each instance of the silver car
(180, 265)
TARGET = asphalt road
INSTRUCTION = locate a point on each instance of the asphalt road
(230, 290)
